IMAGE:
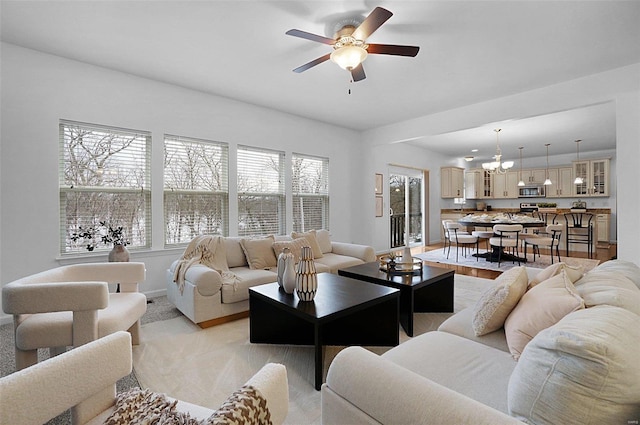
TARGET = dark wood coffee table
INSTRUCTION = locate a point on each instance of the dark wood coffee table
(429, 292)
(343, 312)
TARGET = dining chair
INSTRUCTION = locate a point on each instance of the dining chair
(462, 239)
(447, 242)
(483, 235)
(507, 236)
(555, 232)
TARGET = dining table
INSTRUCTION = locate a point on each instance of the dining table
(471, 221)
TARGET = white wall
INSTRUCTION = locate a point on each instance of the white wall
(621, 86)
(378, 159)
(39, 89)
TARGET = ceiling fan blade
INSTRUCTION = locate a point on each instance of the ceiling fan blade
(358, 74)
(392, 49)
(372, 22)
(312, 63)
(312, 37)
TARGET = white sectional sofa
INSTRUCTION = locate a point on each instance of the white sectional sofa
(207, 296)
(582, 369)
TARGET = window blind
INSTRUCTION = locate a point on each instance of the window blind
(104, 177)
(310, 190)
(261, 192)
(196, 188)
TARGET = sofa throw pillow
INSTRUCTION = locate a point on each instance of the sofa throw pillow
(582, 370)
(259, 252)
(246, 406)
(603, 287)
(496, 303)
(540, 307)
(627, 268)
(324, 240)
(310, 236)
(573, 273)
(295, 246)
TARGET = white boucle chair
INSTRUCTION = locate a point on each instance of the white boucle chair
(71, 305)
(84, 380)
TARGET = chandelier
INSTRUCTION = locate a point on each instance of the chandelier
(497, 166)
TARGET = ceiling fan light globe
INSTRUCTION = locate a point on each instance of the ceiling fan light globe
(348, 57)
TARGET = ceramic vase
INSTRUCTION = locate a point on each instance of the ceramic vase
(286, 271)
(119, 254)
(306, 276)
(280, 266)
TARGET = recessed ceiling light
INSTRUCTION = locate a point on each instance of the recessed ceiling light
(474, 150)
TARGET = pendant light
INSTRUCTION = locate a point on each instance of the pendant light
(547, 182)
(521, 182)
(578, 180)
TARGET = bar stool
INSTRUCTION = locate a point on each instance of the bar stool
(579, 229)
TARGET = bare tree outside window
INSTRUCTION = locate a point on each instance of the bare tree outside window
(310, 188)
(104, 177)
(196, 190)
(261, 193)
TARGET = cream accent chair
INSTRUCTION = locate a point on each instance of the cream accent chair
(84, 380)
(71, 305)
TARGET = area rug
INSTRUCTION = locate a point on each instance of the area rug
(543, 261)
(204, 366)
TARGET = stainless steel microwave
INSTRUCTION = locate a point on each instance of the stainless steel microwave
(531, 191)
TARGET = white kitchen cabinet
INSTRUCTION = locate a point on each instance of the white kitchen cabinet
(561, 183)
(602, 228)
(505, 186)
(473, 184)
(534, 176)
(595, 175)
(451, 182)
(487, 185)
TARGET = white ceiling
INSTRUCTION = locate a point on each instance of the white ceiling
(470, 51)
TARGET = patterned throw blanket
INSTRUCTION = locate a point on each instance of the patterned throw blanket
(207, 250)
(144, 407)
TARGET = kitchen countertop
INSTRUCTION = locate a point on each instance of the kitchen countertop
(517, 210)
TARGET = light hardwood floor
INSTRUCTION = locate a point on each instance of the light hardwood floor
(601, 253)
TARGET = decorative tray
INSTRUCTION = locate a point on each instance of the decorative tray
(388, 265)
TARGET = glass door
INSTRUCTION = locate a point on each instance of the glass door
(405, 190)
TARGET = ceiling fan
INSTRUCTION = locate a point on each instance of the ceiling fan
(350, 48)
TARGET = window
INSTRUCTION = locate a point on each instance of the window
(104, 178)
(310, 189)
(196, 190)
(261, 197)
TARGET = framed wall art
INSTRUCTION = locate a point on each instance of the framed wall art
(378, 184)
